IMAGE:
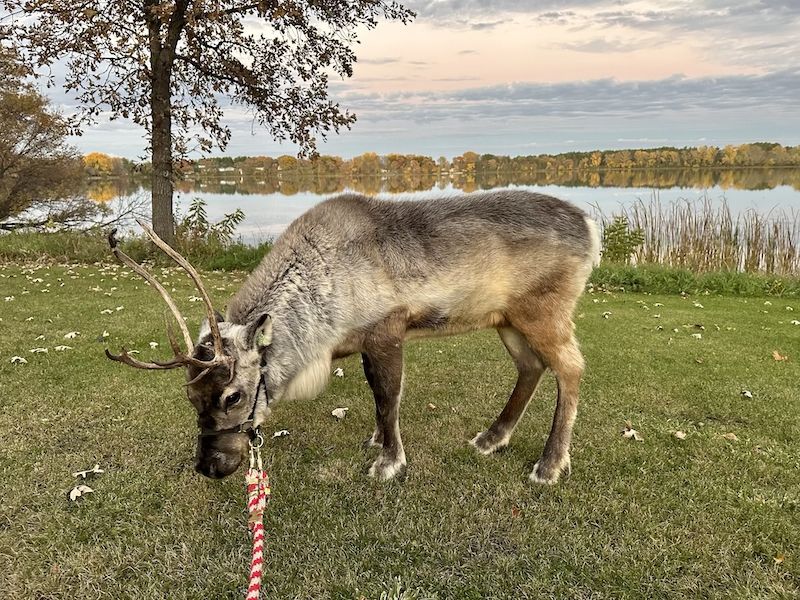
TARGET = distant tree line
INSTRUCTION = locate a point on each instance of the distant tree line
(370, 164)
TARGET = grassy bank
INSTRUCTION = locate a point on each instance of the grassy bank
(714, 515)
(656, 279)
(91, 247)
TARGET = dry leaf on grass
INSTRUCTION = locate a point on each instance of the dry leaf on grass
(340, 413)
(78, 491)
(431, 406)
(681, 435)
(778, 356)
(339, 372)
(18, 360)
(281, 433)
(630, 433)
(71, 335)
(779, 559)
(95, 470)
(747, 393)
(731, 437)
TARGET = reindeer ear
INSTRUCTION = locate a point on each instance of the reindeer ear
(205, 329)
(260, 332)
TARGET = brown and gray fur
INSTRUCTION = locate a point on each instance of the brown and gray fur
(360, 275)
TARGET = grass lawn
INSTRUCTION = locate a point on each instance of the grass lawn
(713, 515)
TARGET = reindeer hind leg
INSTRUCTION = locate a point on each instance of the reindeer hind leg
(530, 370)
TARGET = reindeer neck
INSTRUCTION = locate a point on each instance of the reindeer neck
(293, 286)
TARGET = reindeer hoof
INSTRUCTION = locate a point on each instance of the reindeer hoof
(372, 442)
(385, 468)
(548, 475)
(487, 442)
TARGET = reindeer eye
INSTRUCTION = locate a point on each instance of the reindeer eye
(232, 399)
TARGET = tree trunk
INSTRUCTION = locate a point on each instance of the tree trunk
(160, 103)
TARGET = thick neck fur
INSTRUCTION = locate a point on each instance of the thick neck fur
(294, 286)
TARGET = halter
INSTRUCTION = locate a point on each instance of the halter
(248, 426)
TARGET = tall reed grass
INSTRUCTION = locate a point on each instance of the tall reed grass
(703, 235)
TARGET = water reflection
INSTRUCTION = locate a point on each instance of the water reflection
(271, 201)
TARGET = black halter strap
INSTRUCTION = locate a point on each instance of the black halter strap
(246, 426)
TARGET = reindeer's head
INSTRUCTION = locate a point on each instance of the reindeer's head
(224, 376)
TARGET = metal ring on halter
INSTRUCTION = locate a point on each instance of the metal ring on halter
(256, 440)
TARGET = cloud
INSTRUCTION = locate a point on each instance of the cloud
(486, 25)
(384, 60)
(777, 92)
(720, 29)
(605, 45)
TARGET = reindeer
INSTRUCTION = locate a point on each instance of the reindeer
(361, 275)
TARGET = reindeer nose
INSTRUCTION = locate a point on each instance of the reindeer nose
(208, 469)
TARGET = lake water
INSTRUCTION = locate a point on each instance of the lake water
(269, 212)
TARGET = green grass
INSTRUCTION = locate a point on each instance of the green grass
(705, 517)
(91, 246)
(659, 279)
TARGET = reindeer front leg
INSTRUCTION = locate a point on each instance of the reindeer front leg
(383, 364)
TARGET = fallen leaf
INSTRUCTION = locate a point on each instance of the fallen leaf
(731, 437)
(630, 433)
(39, 338)
(153, 345)
(699, 361)
(62, 348)
(339, 372)
(38, 350)
(747, 393)
(778, 356)
(339, 413)
(698, 305)
(78, 491)
(795, 322)
(106, 311)
(94, 470)
(18, 360)
(681, 435)
(431, 406)
(72, 335)
(607, 314)
(697, 336)
(516, 512)
(281, 433)
(779, 559)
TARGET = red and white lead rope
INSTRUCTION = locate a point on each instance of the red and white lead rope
(258, 492)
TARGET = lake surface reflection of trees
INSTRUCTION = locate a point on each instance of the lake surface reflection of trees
(297, 182)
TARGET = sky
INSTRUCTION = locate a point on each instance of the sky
(546, 76)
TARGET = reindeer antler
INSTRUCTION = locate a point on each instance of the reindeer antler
(181, 358)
